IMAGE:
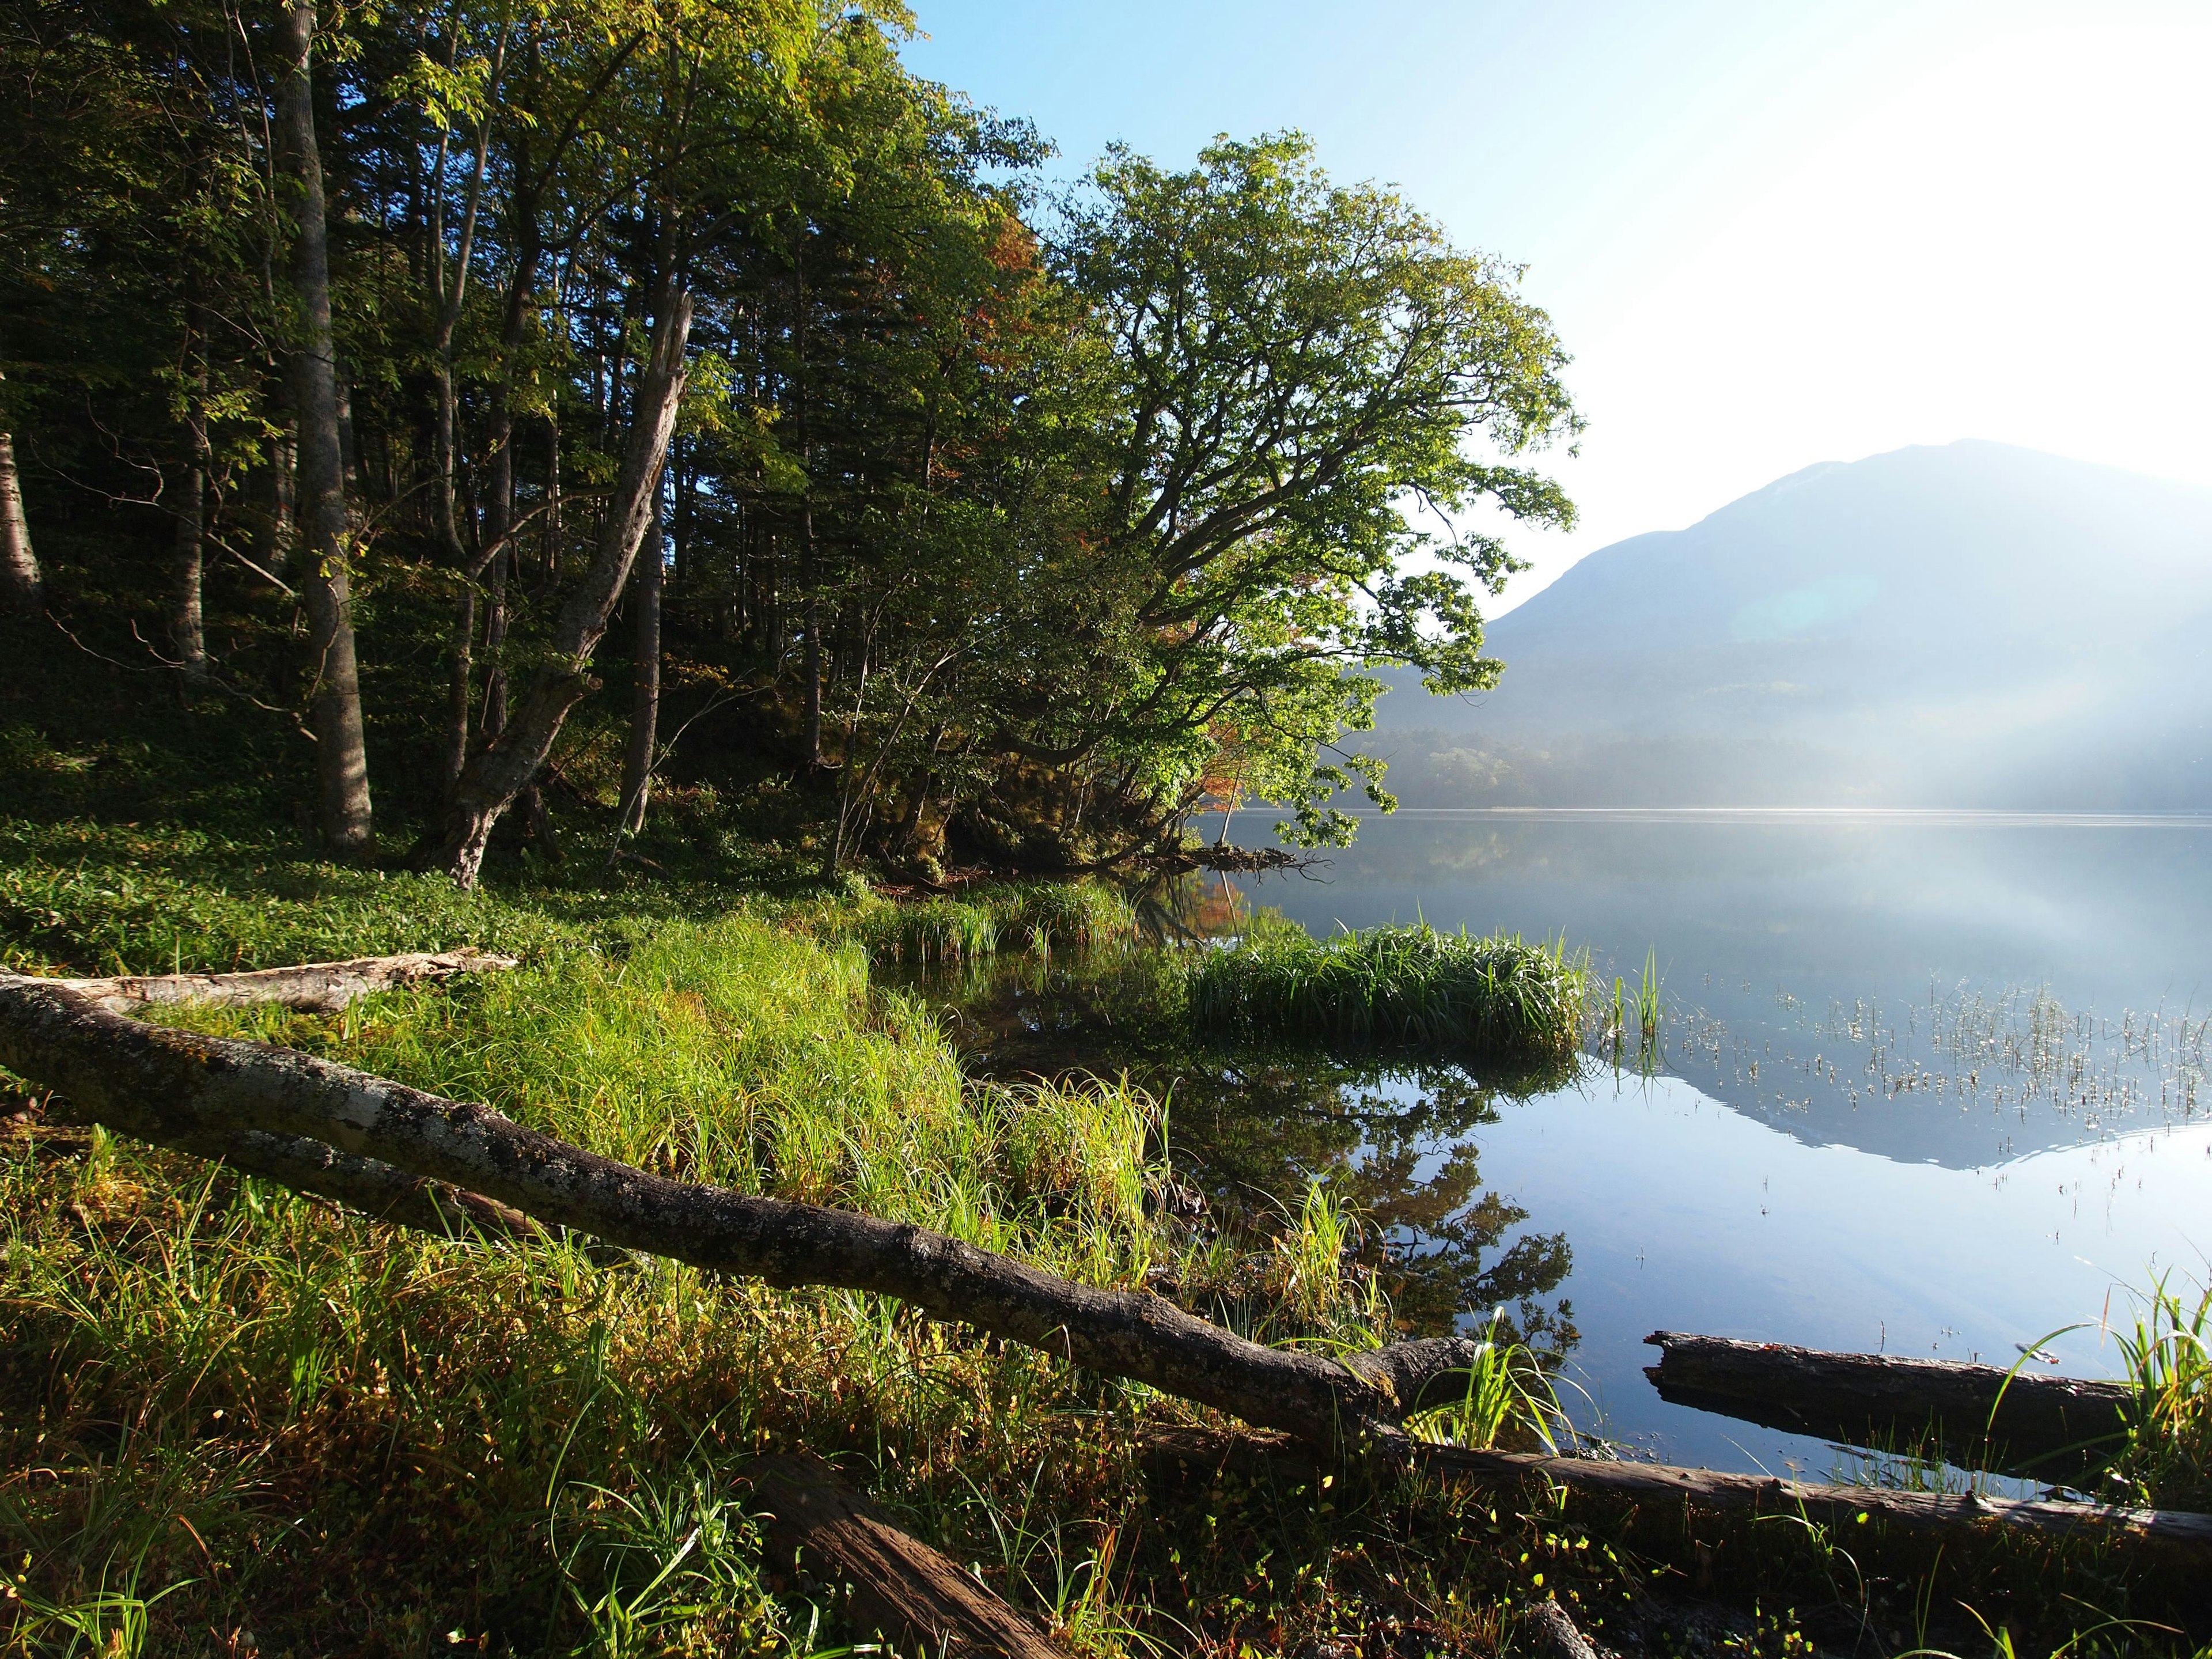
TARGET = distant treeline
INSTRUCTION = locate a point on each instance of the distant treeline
(371, 367)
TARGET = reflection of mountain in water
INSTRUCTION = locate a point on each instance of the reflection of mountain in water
(1776, 929)
(1971, 625)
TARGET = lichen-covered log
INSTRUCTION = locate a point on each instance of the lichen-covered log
(311, 988)
(2046, 1428)
(182, 1089)
(901, 1588)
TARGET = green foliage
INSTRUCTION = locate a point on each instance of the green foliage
(1498, 996)
(2165, 1461)
(1509, 1402)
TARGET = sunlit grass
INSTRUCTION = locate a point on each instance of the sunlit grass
(1497, 996)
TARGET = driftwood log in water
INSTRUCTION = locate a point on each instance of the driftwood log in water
(2046, 1428)
(2181, 1534)
(215, 1095)
(901, 1588)
(313, 987)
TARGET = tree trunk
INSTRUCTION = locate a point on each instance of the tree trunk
(1186, 1453)
(182, 1088)
(322, 987)
(19, 566)
(917, 1597)
(272, 533)
(2043, 1428)
(460, 683)
(812, 738)
(499, 771)
(341, 754)
(645, 698)
(187, 629)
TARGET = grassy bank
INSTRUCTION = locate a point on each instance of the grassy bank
(1496, 996)
(233, 1420)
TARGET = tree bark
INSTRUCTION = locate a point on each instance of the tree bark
(2180, 1532)
(2043, 1428)
(181, 1088)
(313, 987)
(188, 626)
(19, 565)
(645, 698)
(917, 1597)
(499, 771)
(341, 754)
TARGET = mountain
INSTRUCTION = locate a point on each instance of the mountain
(1970, 625)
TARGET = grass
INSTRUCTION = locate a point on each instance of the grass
(234, 1420)
(2167, 1351)
(1079, 915)
(1499, 995)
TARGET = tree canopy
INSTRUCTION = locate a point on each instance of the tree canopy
(995, 523)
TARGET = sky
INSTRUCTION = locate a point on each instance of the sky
(1771, 234)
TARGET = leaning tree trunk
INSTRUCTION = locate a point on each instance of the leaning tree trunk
(19, 566)
(499, 771)
(341, 754)
(645, 698)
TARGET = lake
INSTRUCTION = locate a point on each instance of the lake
(1932, 1082)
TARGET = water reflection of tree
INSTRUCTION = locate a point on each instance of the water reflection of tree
(1253, 1128)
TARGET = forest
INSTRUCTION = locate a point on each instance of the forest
(546, 409)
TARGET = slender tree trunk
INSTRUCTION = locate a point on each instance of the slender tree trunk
(551, 573)
(272, 533)
(813, 669)
(645, 699)
(19, 566)
(499, 771)
(187, 631)
(495, 696)
(341, 754)
(460, 682)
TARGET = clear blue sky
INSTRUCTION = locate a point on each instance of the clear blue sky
(1772, 234)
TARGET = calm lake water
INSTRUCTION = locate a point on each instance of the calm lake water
(1933, 1084)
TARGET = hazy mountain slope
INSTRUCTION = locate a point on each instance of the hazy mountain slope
(1975, 625)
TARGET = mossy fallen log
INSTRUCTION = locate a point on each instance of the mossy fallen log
(2045, 1428)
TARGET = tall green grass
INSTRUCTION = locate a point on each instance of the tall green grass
(2167, 1459)
(1499, 995)
(1040, 917)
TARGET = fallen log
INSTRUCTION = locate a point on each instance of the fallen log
(205, 1094)
(2176, 1531)
(1551, 1633)
(2046, 1428)
(900, 1589)
(312, 987)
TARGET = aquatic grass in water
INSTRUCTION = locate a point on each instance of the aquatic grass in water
(1510, 1403)
(1499, 995)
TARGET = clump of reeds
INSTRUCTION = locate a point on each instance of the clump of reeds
(1082, 916)
(928, 930)
(2167, 1460)
(1499, 995)
(1040, 916)
(1633, 1021)
(1509, 1402)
